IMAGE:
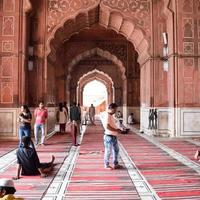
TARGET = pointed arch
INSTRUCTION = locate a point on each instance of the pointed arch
(95, 75)
(100, 52)
(107, 18)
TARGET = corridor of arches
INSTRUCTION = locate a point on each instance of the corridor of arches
(49, 46)
(141, 54)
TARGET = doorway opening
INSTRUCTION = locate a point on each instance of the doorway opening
(95, 93)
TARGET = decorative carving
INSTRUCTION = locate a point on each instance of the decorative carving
(139, 10)
(188, 28)
(198, 7)
(160, 42)
(8, 26)
(188, 47)
(7, 67)
(118, 49)
(7, 120)
(160, 32)
(199, 64)
(188, 93)
(199, 28)
(188, 6)
(188, 62)
(6, 92)
(198, 47)
(95, 62)
(198, 54)
(58, 9)
(7, 46)
(188, 74)
(8, 5)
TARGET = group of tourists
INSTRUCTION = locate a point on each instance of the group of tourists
(28, 162)
(25, 118)
(27, 158)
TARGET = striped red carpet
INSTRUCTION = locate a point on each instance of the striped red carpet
(169, 178)
(90, 180)
(33, 187)
(7, 146)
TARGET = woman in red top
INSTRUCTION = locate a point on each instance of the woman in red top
(40, 119)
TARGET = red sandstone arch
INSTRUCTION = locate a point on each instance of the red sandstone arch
(95, 75)
(100, 52)
(105, 17)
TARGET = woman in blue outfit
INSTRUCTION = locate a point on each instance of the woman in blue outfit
(25, 123)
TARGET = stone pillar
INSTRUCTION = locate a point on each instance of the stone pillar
(147, 94)
(38, 41)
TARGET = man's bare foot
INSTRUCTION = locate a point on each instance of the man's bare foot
(197, 154)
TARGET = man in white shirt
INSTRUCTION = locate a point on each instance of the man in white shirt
(110, 137)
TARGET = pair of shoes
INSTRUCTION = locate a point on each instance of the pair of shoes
(197, 155)
(108, 167)
(118, 166)
(76, 145)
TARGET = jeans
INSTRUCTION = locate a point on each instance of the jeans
(111, 142)
(38, 127)
(23, 131)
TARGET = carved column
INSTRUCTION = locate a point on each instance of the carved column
(24, 48)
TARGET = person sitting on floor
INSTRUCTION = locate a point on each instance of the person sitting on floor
(28, 161)
(7, 190)
(122, 127)
(131, 119)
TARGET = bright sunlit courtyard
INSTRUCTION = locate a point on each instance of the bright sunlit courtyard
(94, 93)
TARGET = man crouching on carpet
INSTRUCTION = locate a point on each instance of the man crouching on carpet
(28, 161)
(110, 137)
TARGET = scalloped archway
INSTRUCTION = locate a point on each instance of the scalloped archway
(100, 52)
(107, 18)
(95, 75)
